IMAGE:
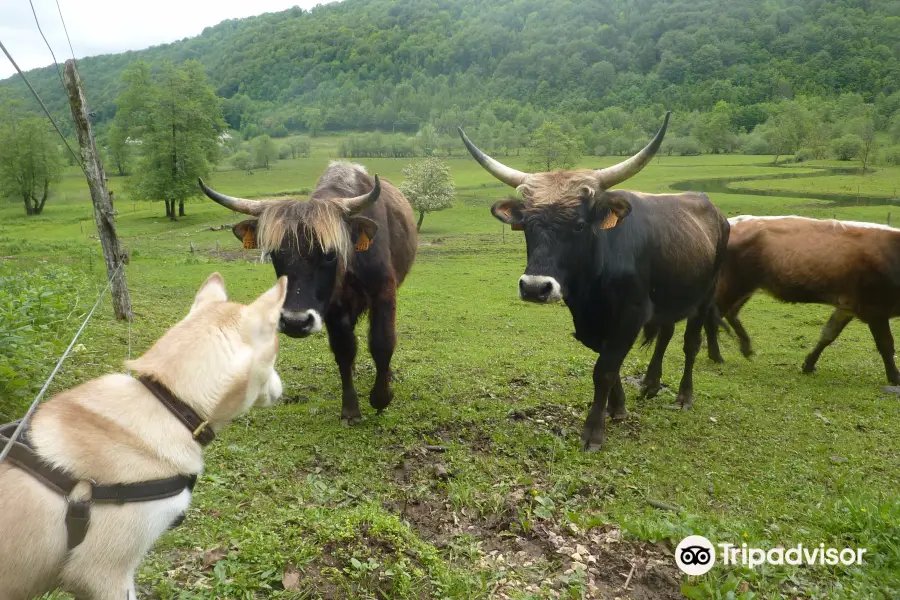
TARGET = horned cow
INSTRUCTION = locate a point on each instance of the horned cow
(621, 261)
(854, 267)
(344, 251)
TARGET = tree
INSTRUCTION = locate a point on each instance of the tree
(29, 158)
(265, 151)
(118, 148)
(864, 127)
(788, 129)
(427, 139)
(551, 148)
(714, 130)
(177, 118)
(428, 186)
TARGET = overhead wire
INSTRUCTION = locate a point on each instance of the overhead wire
(53, 54)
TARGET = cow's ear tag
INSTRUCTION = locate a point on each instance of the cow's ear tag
(610, 221)
(363, 243)
(249, 239)
(517, 227)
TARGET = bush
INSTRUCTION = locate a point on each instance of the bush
(846, 147)
(685, 146)
(36, 306)
(284, 152)
(755, 144)
(242, 161)
(891, 155)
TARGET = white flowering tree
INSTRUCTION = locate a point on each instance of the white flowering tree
(428, 186)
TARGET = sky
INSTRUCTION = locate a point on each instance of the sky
(110, 26)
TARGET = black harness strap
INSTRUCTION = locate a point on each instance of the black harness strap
(78, 513)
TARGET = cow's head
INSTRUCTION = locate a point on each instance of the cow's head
(310, 242)
(561, 212)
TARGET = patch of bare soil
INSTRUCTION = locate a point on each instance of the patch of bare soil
(548, 556)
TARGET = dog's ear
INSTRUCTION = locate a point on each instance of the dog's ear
(212, 290)
(268, 306)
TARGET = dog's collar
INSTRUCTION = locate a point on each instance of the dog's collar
(199, 428)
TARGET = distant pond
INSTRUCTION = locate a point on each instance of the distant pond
(720, 185)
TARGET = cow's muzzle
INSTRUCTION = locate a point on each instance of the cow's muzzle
(539, 288)
(300, 324)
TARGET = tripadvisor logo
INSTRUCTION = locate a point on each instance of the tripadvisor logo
(696, 555)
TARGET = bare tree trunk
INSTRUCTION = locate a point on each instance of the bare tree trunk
(27, 199)
(115, 255)
(40, 207)
(181, 208)
(421, 218)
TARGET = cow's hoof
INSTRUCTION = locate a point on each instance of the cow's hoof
(619, 417)
(684, 401)
(649, 389)
(747, 351)
(809, 368)
(592, 440)
(348, 421)
(717, 358)
(591, 448)
(380, 399)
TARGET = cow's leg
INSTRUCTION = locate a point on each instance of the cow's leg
(341, 324)
(884, 341)
(738, 327)
(606, 375)
(830, 332)
(382, 341)
(651, 384)
(617, 411)
(712, 336)
(732, 293)
(693, 338)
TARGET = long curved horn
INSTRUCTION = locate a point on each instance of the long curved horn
(610, 176)
(507, 175)
(248, 207)
(360, 203)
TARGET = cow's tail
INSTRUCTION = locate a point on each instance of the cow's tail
(720, 322)
(651, 330)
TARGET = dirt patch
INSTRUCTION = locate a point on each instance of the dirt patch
(548, 557)
(557, 419)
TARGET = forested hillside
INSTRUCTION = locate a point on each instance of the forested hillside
(392, 65)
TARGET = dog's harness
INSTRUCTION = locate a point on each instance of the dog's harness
(78, 512)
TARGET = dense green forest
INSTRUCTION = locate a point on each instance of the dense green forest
(391, 65)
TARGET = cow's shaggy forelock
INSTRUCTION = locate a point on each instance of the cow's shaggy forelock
(560, 188)
(322, 219)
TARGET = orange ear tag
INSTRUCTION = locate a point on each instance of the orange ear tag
(363, 243)
(249, 239)
(610, 221)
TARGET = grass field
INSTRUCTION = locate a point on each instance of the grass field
(292, 505)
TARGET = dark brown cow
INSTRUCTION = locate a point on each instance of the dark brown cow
(337, 267)
(621, 261)
(854, 267)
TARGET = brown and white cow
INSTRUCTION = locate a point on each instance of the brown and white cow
(852, 266)
(344, 251)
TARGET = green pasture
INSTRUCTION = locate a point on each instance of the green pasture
(293, 505)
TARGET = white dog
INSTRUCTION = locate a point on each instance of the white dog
(206, 370)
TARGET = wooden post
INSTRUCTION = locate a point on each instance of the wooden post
(115, 255)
